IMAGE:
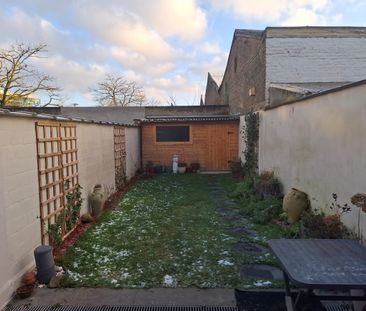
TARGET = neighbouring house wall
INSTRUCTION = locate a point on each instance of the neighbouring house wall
(212, 96)
(19, 226)
(133, 151)
(317, 146)
(212, 145)
(96, 158)
(314, 59)
(245, 70)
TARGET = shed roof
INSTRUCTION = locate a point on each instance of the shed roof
(176, 119)
(325, 92)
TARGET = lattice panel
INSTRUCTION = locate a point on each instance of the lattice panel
(57, 170)
(120, 155)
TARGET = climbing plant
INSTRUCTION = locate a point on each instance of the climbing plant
(250, 135)
(74, 201)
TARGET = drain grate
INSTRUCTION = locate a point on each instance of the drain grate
(121, 308)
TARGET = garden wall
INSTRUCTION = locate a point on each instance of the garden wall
(20, 207)
(318, 146)
(96, 158)
(133, 153)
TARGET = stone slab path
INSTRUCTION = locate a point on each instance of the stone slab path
(240, 229)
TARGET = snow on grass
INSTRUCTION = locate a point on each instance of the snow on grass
(169, 280)
(166, 233)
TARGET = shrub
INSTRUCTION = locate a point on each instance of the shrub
(320, 226)
(267, 185)
(244, 189)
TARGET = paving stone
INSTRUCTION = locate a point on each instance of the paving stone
(223, 208)
(232, 217)
(243, 231)
(248, 247)
(261, 272)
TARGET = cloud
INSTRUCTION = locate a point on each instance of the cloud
(305, 17)
(120, 28)
(216, 66)
(72, 76)
(180, 87)
(140, 63)
(275, 11)
(210, 48)
(184, 19)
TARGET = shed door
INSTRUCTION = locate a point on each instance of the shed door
(223, 146)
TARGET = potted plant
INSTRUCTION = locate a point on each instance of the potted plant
(195, 167)
(182, 167)
(149, 168)
(236, 168)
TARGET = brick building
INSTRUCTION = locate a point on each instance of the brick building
(281, 64)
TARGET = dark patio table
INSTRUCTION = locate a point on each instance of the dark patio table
(321, 264)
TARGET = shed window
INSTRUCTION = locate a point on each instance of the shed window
(172, 133)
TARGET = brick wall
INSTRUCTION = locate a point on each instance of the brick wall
(245, 70)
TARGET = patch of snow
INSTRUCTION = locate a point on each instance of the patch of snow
(169, 280)
(224, 262)
(260, 283)
(123, 253)
(125, 275)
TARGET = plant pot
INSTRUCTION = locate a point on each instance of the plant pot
(181, 169)
(29, 278)
(195, 167)
(96, 201)
(24, 291)
(294, 203)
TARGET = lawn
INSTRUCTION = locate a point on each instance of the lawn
(167, 232)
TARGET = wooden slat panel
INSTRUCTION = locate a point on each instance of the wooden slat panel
(57, 164)
(119, 155)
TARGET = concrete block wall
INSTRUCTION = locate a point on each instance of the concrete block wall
(314, 59)
(317, 146)
(19, 208)
(96, 158)
(133, 151)
(20, 230)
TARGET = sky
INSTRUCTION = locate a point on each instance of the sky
(166, 46)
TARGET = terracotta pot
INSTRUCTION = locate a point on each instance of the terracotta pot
(25, 291)
(29, 278)
(96, 200)
(294, 203)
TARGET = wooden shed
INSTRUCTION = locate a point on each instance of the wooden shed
(211, 141)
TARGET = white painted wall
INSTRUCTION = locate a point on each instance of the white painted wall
(20, 231)
(19, 208)
(133, 152)
(318, 146)
(96, 158)
(300, 60)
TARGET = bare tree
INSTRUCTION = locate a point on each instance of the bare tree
(19, 80)
(117, 91)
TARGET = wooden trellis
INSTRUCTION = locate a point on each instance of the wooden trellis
(57, 171)
(119, 155)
